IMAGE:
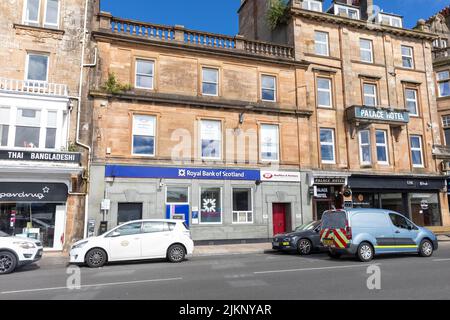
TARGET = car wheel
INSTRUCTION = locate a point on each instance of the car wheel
(96, 258)
(176, 253)
(426, 248)
(8, 262)
(333, 254)
(365, 252)
(304, 247)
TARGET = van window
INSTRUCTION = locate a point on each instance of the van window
(334, 220)
(369, 220)
(400, 222)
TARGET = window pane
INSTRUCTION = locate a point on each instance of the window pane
(242, 200)
(365, 138)
(51, 14)
(50, 138)
(443, 75)
(447, 137)
(444, 89)
(130, 229)
(144, 145)
(144, 81)
(327, 152)
(32, 12)
(29, 117)
(27, 137)
(365, 152)
(177, 194)
(324, 83)
(211, 211)
(52, 119)
(144, 67)
(210, 149)
(381, 137)
(268, 82)
(415, 142)
(381, 154)
(268, 95)
(269, 142)
(366, 56)
(365, 44)
(406, 51)
(4, 129)
(407, 62)
(369, 89)
(210, 75)
(152, 227)
(211, 137)
(326, 136)
(4, 115)
(209, 88)
(37, 67)
(417, 157)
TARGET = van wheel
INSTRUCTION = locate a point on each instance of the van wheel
(304, 247)
(365, 252)
(96, 258)
(334, 254)
(176, 253)
(8, 262)
(426, 248)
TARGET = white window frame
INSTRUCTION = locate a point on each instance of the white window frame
(443, 80)
(391, 19)
(136, 74)
(220, 144)
(155, 130)
(446, 121)
(366, 50)
(415, 100)
(307, 4)
(361, 145)
(27, 63)
(261, 142)
(326, 43)
(420, 149)
(24, 15)
(338, 7)
(43, 125)
(178, 186)
(375, 95)
(384, 145)
(408, 56)
(201, 188)
(208, 82)
(46, 24)
(240, 212)
(333, 144)
(328, 92)
(264, 88)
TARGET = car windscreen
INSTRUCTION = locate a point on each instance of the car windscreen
(2, 234)
(334, 220)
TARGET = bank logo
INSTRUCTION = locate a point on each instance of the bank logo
(209, 205)
(181, 172)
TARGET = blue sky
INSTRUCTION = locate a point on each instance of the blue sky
(220, 16)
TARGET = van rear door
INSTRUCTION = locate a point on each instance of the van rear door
(333, 233)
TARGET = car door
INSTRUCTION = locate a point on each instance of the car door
(156, 238)
(405, 233)
(125, 242)
(315, 236)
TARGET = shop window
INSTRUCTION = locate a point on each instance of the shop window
(211, 139)
(370, 94)
(321, 43)
(242, 205)
(268, 88)
(324, 94)
(177, 195)
(425, 209)
(4, 126)
(129, 212)
(210, 82)
(327, 146)
(382, 147)
(366, 50)
(392, 201)
(269, 142)
(144, 135)
(365, 153)
(407, 57)
(51, 19)
(416, 151)
(411, 102)
(145, 74)
(443, 78)
(211, 206)
(37, 67)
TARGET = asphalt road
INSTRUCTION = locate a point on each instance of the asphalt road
(268, 276)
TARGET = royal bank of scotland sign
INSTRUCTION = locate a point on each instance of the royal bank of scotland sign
(377, 115)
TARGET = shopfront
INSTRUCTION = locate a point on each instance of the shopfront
(415, 197)
(326, 190)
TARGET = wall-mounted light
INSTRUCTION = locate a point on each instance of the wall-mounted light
(241, 118)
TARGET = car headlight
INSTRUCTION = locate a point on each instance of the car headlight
(79, 245)
(287, 240)
(25, 244)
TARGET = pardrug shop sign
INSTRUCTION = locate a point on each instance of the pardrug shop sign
(42, 156)
(32, 192)
(382, 115)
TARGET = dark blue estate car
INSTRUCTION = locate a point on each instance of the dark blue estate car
(305, 239)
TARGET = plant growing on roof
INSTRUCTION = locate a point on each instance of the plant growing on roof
(276, 14)
(114, 86)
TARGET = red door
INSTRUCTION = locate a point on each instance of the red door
(279, 218)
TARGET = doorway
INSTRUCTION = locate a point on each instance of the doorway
(129, 212)
(320, 206)
(281, 218)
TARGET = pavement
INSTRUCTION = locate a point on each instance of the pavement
(265, 275)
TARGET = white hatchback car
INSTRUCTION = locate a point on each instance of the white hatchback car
(135, 240)
(17, 252)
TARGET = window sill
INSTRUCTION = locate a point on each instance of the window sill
(315, 55)
(39, 29)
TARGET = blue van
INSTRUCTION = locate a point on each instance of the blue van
(368, 232)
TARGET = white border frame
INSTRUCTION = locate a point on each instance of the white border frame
(252, 206)
(201, 144)
(145, 75)
(416, 100)
(24, 14)
(27, 62)
(154, 137)
(411, 56)
(385, 145)
(361, 157)
(330, 92)
(366, 50)
(49, 25)
(347, 8)
(375, 95)
(275, 89)
(422, 165)
(201, 205)
(327, 43)
(333, 144)
(178, 186)
(261, 142)
(216, 83)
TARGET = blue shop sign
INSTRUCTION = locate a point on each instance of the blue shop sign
(181, 173)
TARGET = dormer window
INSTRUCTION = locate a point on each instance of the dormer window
(346, 11)
(393, 21)
(312, 5)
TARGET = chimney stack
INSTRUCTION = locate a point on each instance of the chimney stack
(366, 8)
